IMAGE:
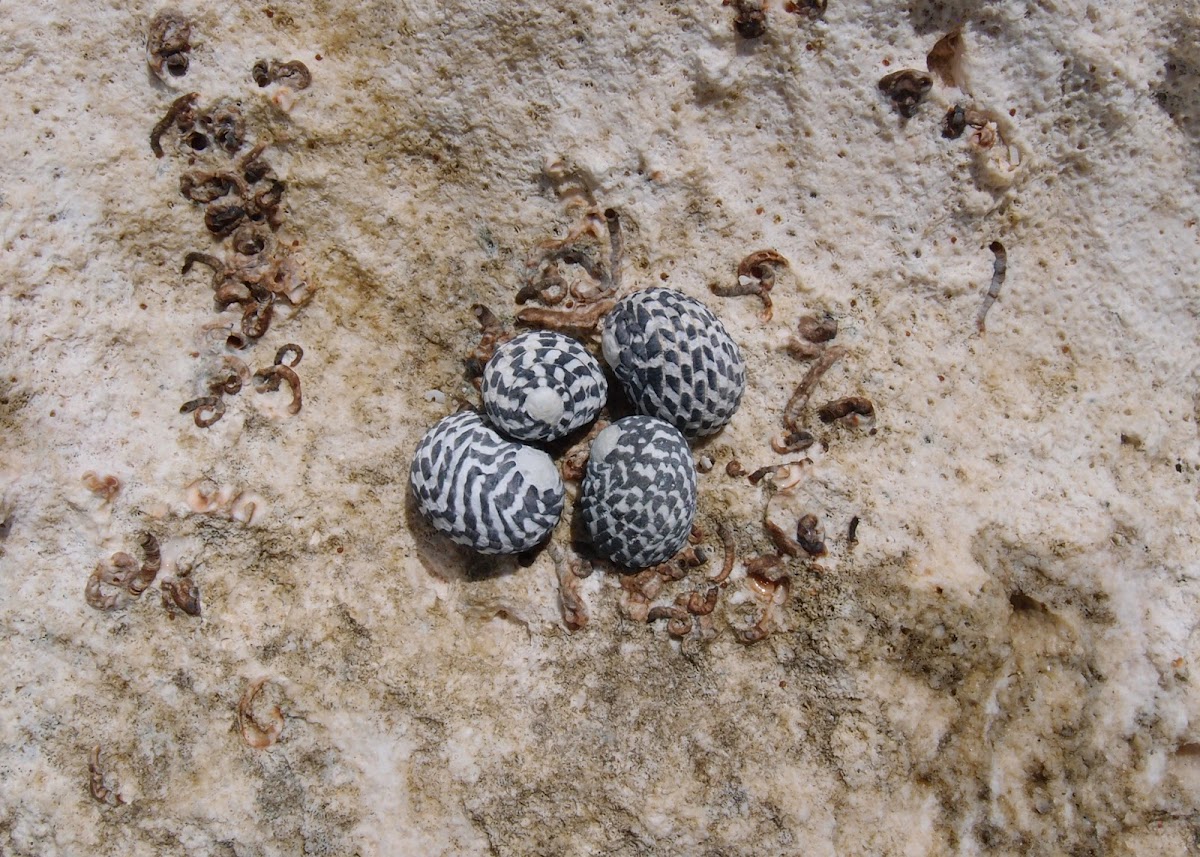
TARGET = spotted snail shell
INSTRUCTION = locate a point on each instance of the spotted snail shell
(484, 492)
(542, 385)
(638, 499)
(675, 360)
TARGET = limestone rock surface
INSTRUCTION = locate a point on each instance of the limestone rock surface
(993, 654)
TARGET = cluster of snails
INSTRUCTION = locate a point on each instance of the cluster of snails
(479, 479)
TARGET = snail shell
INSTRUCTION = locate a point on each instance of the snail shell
(638, 499)
(484, 492)
(542, 385)
(675, 360)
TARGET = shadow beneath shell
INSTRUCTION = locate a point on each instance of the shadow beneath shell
(447, 561)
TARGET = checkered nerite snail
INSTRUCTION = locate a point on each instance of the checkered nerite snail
(682, 372)
(675, 360)
(542, 385)
(638, 499)
(484, 492)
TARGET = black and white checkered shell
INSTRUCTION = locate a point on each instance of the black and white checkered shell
(675, 360)
(485, 492)
(638, 499)
(542, 385)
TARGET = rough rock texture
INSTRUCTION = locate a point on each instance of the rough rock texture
(999, 663)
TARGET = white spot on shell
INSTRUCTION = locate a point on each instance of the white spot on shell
(544, 405)
(538, 468)
(610, 347)
(605, 442)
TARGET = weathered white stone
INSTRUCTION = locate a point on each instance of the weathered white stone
(1002, 663)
